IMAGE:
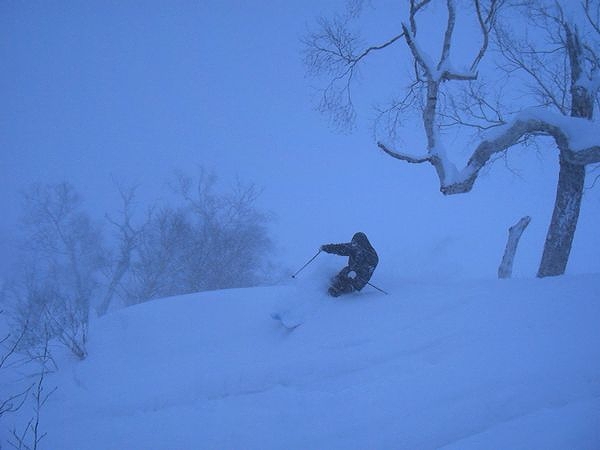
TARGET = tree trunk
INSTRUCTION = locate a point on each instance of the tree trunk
(514, 235)
(569, 193)
(571, 177)
(122, 268)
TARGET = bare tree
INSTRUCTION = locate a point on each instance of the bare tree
(204, 239)
(22, 368)
(565, 99)
(158, 261)
(9, 344)
(58, 277)
(127, 236)
(231, 240)
(30, 437)
(208, 240)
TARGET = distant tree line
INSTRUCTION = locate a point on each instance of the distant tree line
(72, 265)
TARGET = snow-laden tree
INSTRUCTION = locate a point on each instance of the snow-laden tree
(547, 60)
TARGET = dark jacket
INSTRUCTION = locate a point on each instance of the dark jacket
(362, 258)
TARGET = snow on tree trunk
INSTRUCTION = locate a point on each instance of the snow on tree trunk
(564, 219)
(514, 235)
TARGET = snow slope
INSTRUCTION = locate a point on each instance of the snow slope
(480, 364)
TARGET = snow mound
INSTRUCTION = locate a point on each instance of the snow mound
(490, 364)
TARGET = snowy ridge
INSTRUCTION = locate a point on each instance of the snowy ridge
(489, 364)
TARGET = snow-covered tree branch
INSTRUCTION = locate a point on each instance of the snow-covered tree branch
(566, 131)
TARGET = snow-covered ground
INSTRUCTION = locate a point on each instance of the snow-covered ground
(471, 364)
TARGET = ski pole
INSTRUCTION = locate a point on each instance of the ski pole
(380, 290)
(304, 266)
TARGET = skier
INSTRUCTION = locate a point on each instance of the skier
(361, 263)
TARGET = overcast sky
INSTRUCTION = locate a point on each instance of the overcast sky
(131, 90)
(94, 91)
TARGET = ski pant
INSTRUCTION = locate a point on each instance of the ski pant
(342, 283)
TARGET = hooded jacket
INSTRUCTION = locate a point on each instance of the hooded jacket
(362, 258)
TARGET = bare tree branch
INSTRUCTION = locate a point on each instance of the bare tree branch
(332, 50)
(417, 55)
(448, 34)
(403, 156)
(593, 21)
(128, 240)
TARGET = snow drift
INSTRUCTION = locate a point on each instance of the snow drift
(489, 364)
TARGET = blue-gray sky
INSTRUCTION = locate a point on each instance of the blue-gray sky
(134, 90)
(130, 90)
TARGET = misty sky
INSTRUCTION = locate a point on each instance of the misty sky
(98, 91)
(134, 89)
